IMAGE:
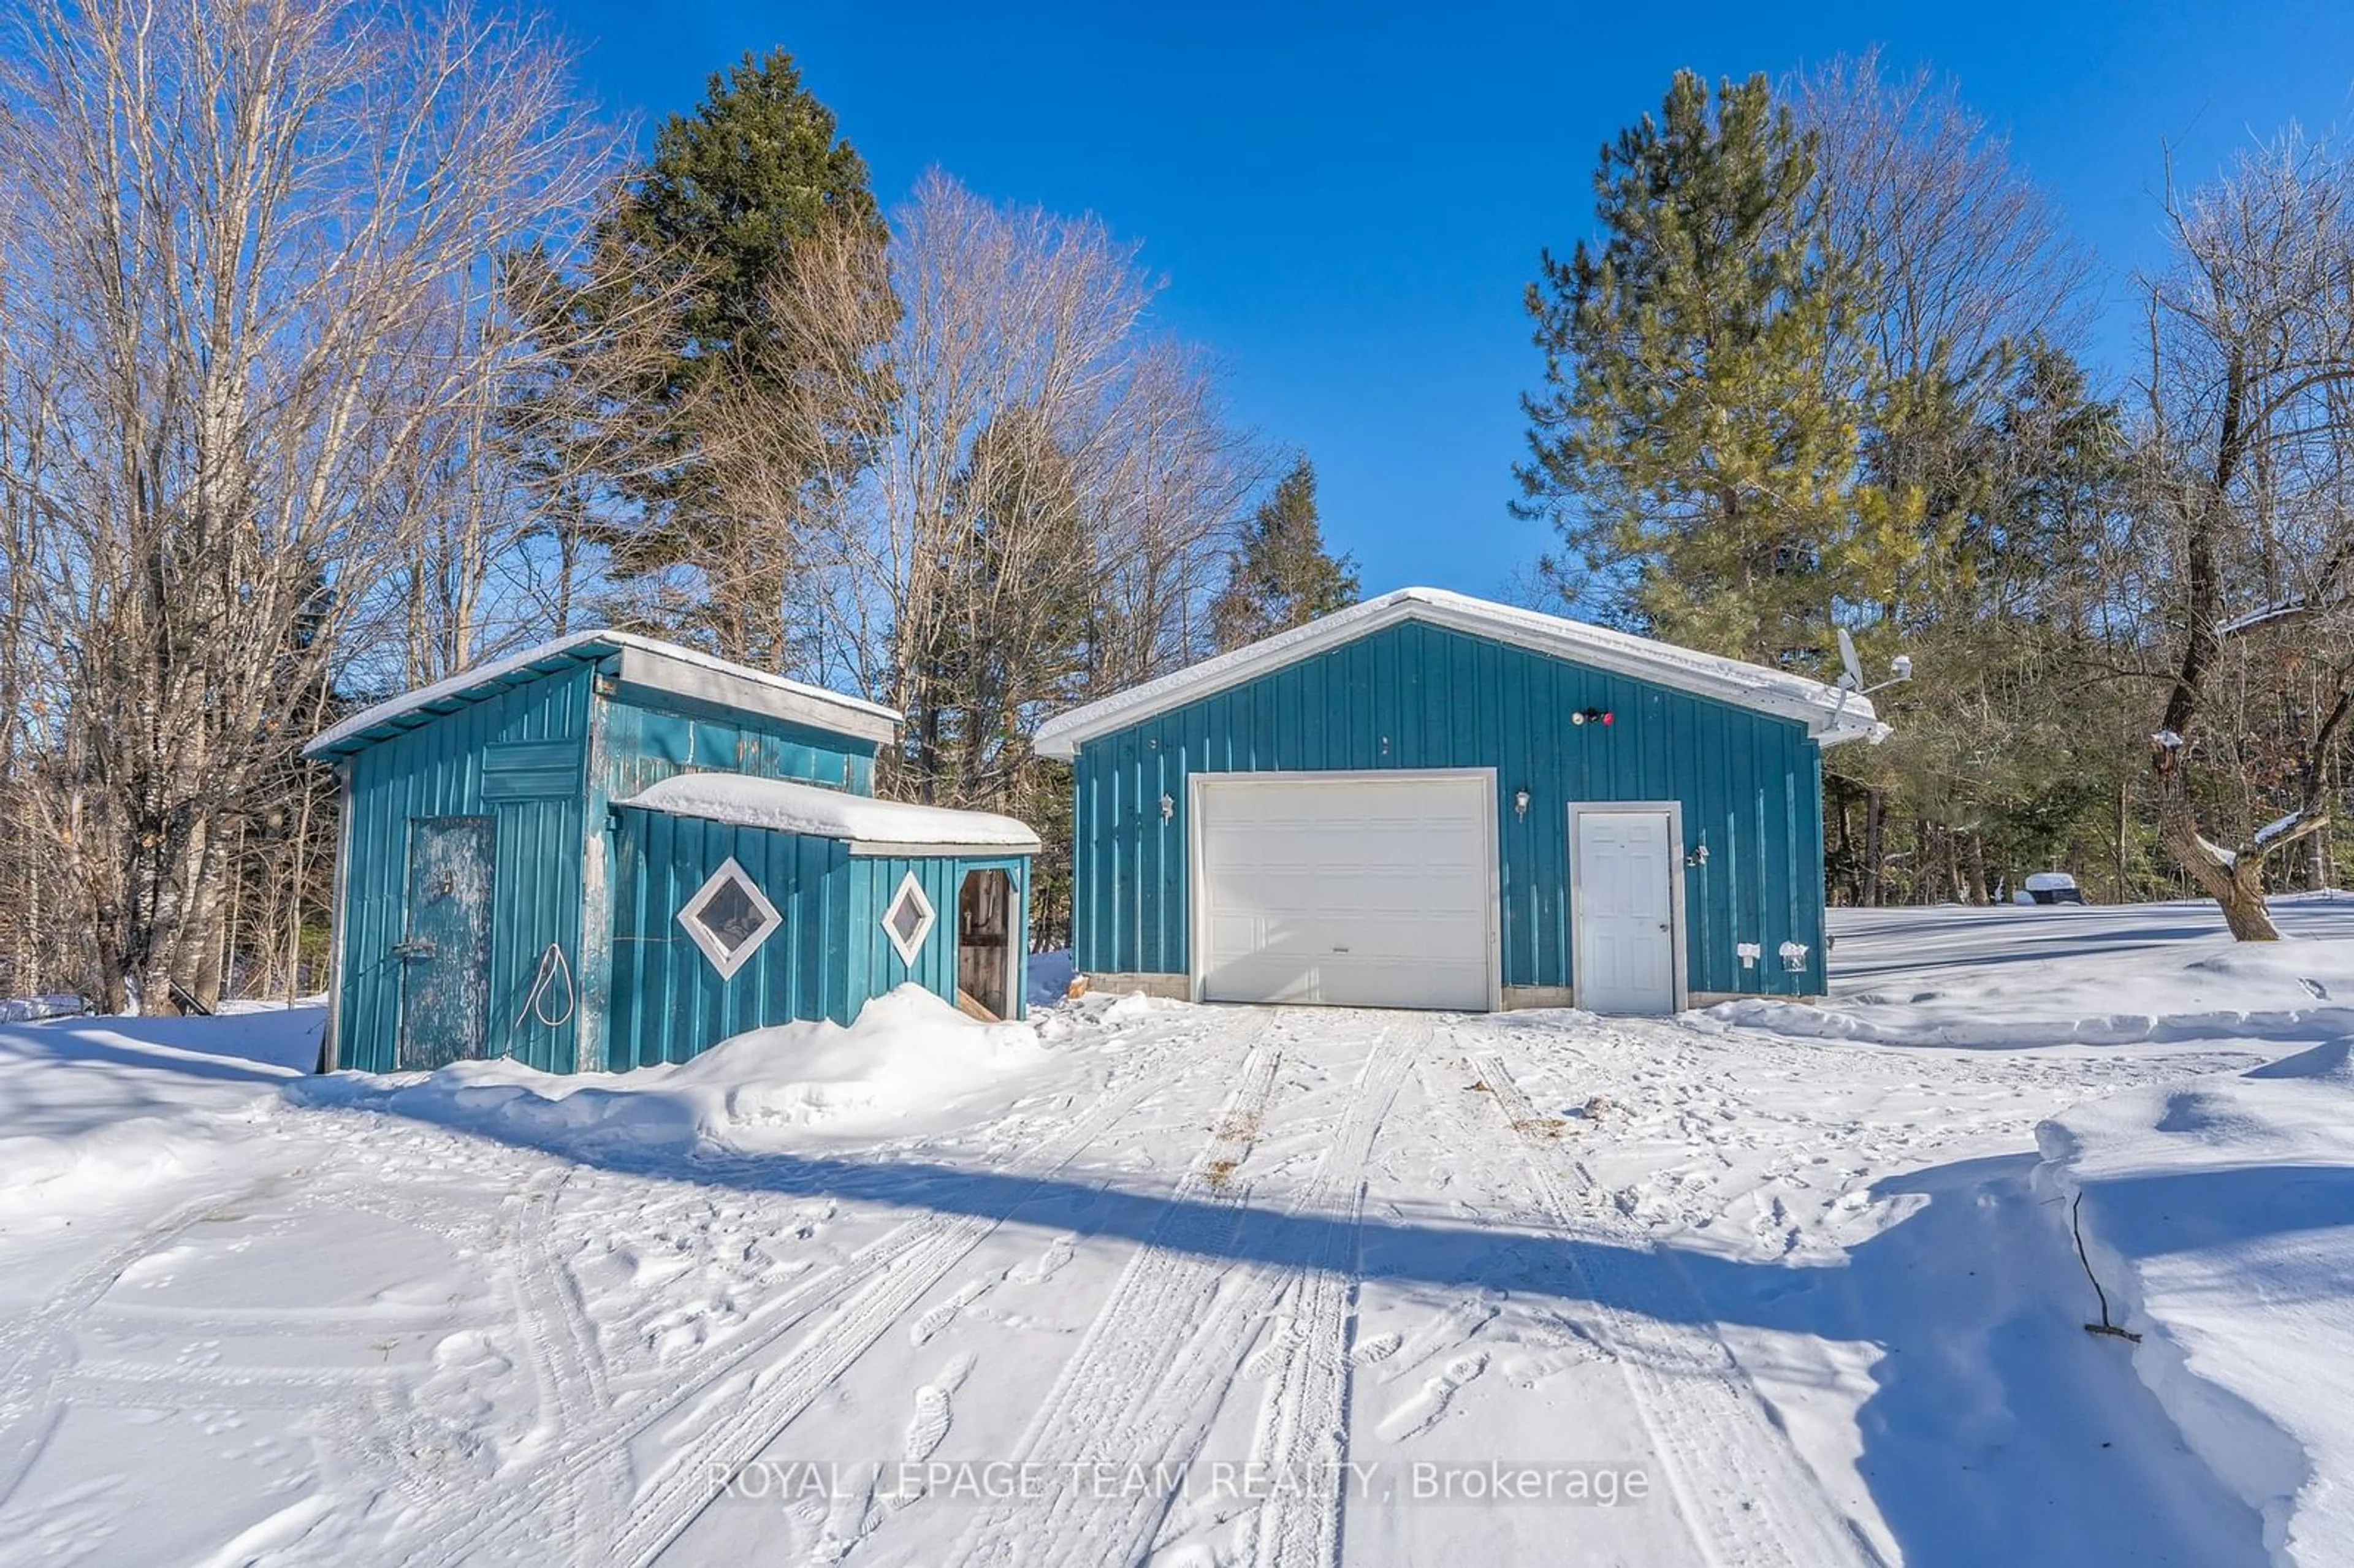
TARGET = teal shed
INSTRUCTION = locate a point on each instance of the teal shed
(1432, 801)
(608, 852)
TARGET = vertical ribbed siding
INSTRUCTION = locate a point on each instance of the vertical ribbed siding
(434, 771)
(827, 959)
(647, 744)
(1413, 695)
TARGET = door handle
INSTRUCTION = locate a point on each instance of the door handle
(1663, 925)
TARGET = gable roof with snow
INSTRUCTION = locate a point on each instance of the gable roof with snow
(869, 826)
(1831, 715)
(663, 667)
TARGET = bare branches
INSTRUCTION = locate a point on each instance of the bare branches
(2252, 376)
(1020, 491)
(253, 251)
(1970, 255)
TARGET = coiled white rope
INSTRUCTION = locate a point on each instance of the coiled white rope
(552, 964)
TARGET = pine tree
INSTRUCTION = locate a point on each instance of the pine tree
(1282, 576)
(731, 190)
(1698, 440)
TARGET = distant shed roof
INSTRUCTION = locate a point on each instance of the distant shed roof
(645, 661)
(869, 826)
(1831, 716)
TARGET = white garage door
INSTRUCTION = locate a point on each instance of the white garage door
(1351, 889)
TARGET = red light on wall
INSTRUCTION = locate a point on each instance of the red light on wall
(1607, 717)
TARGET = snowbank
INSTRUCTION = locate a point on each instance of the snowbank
(909, 1061)
(745, 801)
(2054, 976)
(2219, 1215)
(97, 1106)
(33, 1009)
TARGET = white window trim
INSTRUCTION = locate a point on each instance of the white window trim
(910, 947)
(721, 960)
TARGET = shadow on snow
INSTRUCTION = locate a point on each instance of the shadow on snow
(1996, 1431)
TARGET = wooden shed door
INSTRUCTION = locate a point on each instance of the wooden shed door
(985, 941)
(445, 955)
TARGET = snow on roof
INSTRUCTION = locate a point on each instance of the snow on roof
(2049, 882)
(473, 679)
(1831, 716)
(871, 826)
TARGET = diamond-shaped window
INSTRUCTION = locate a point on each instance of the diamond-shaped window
(728, 918)
(909, 919)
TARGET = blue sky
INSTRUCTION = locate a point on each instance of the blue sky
(1347, 201)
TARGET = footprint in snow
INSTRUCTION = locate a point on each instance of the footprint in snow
(929, 1425)
(921, 1330)
(1046, 1265)
(1379, 1348)
(1282, 1334)
(1452, 1326)
(1420, 1412)
(2320, 992)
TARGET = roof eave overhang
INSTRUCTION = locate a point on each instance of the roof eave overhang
(881, 849)
(1061, 737)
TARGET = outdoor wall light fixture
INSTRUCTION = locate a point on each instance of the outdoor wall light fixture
(1520, 802)
(1168, 808)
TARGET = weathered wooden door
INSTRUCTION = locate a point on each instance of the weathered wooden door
(445, 955)
(985, 941)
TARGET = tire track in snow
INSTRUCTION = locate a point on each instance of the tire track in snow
(1747, 1497)
(36, 1346)
(568, 1367)
(1303, 1426)
(1128, 1397)
(861, 1299)
(1165, 1287)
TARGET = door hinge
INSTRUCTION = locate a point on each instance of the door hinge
(413, 948)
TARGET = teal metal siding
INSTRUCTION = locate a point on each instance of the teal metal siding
(1415, 695)
(826, 960)
(650, 737)
(517, 756)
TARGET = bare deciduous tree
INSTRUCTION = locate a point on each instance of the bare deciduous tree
(256, 330)
(1027, 489)
(1969, 254)
(2252, 363)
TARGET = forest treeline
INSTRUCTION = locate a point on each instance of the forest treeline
(343, 345)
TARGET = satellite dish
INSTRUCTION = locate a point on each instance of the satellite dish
(1853, 680)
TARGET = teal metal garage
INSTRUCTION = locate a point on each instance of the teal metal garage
(1432, 801)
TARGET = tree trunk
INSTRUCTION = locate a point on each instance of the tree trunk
(1875, 816)
(2124, 794)
(2236, 883)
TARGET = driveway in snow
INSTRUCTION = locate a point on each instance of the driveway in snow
(1198, 1286)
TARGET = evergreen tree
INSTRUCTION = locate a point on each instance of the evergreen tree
(732, 190)
(1698, 440)
(1006, 618)
(1282, 576)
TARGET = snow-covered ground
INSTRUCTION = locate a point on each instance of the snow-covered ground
(1212, 1286)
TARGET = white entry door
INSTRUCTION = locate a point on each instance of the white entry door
(1623, 902)
(1351, 889)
